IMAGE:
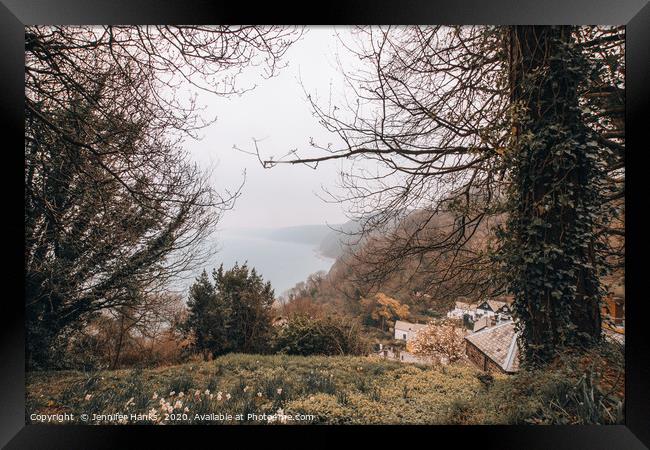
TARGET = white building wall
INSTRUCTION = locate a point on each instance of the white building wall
(400, 334)
(458, 313)
(404, 335)
(484, 312)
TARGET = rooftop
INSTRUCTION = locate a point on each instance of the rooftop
(499, 343)
(496, 304)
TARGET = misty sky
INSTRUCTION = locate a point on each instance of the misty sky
(277, 113)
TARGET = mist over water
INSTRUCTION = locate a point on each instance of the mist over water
(284, 263)
(277, 115)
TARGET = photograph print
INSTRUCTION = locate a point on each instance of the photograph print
(295, 225)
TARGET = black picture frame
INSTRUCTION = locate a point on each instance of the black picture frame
(635, 14)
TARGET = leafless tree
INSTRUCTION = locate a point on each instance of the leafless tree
(146, 320)
(424, 129)
(442, 341)
(114, 208)
(428, 127)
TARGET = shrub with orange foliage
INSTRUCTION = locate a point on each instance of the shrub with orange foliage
(382, 309)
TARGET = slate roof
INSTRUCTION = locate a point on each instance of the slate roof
(499, 343)
(496, 304)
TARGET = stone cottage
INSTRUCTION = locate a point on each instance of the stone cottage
(494, 348)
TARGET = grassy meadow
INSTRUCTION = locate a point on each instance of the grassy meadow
(281, 389)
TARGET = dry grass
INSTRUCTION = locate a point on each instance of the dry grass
(335, 390)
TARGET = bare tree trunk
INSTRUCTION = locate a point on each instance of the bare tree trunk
(118, 346)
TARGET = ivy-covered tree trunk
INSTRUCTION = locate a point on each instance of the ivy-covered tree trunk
(554, 195)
